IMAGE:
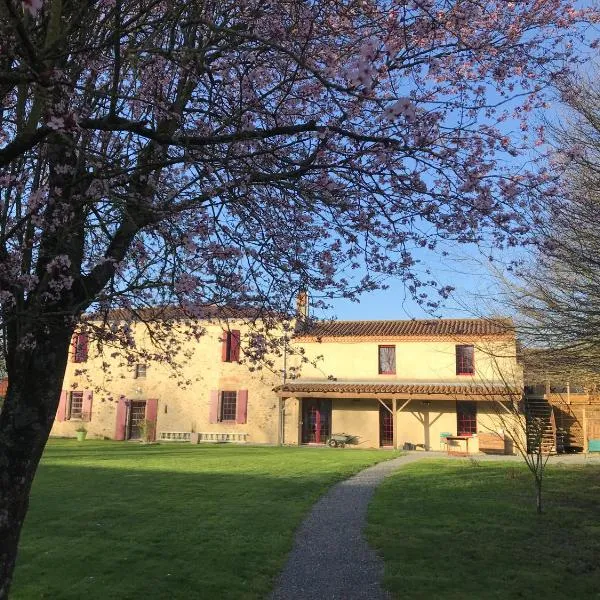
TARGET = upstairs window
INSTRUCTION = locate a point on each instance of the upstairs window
(75, 408)
(228, 408)
(140, 371)
(80, 347)
(465, 360)
(231, 346)
(387, 360)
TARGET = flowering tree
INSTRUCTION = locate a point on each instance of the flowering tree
(234, 152)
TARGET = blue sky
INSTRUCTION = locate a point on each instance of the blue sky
(466, 268)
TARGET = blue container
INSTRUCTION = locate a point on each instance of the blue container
(594, 446)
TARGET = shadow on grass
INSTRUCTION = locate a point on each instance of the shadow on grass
(217, 523)
(462, 530)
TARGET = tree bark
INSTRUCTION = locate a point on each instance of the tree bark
(35, 380)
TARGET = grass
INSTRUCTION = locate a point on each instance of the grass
(121, 520)
(469, 530)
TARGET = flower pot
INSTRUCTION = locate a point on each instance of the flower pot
(81, 435)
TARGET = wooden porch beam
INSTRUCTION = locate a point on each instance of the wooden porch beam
(501, 403)
(385, 406)
(405, 404)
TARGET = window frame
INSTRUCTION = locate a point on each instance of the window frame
(460, 368)
(137, 372)
(70, 415)
(225, 399)
(380, 369)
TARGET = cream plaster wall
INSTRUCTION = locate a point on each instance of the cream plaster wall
(416, 361)
(358, 417)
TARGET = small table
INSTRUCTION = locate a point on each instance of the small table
(458, 438)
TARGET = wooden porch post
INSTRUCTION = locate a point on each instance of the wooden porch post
(585, 431)
(395, 423)
(280, 423)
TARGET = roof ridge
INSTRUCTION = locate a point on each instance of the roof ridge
(433, 320)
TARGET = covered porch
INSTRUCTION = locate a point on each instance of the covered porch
(413, 415)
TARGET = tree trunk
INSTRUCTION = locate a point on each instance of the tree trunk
(35, 381)
(538, 496)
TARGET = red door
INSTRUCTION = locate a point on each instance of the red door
(386, 427)
(316, 421)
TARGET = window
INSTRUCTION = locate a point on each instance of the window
(466, 418)
(465, 360)
(228, 406)
(80, 347)
(140, 371)
(387, 360)
(231, 346)
(75, 405)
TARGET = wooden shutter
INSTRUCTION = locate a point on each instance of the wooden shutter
(225, 346)
(86, 407)
(242, 406)
(234, 351)
(214, 406)
(121, 419)
(83, 347)
(61, 411)
(151, 415)
(74, 347)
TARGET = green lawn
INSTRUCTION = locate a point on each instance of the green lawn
(468, 530)
(122, 520)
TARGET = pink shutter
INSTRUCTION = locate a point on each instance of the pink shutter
(234, 353)
(121, 419)
(225, 346)
(83, 347)
(151, 415)
(86, 407)
(214, 406)
(242, 406)
(62, 406)
(74, 347)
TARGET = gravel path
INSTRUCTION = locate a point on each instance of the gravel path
(331, 559)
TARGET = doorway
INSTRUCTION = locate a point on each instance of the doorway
(137, 414)
(386, 425)
(316, 420)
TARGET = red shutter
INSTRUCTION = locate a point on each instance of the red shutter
(225, 347)
(86, 407)
(62, 406)
(151, 415)
(83, 347)
(74, 348)
(214, 406)
(234, 352)
(242, 406)
(121, 419)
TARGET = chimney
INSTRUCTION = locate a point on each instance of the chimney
(302, 306)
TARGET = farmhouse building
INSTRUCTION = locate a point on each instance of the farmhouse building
(405, 383)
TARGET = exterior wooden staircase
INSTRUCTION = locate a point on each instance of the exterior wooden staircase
(541, 427)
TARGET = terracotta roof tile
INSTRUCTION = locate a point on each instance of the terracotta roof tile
(409, 328)
(394, 388)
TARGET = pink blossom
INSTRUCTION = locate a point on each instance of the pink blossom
(33, 6)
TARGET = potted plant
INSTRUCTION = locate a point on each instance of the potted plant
(147, 429)
(81, 432)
